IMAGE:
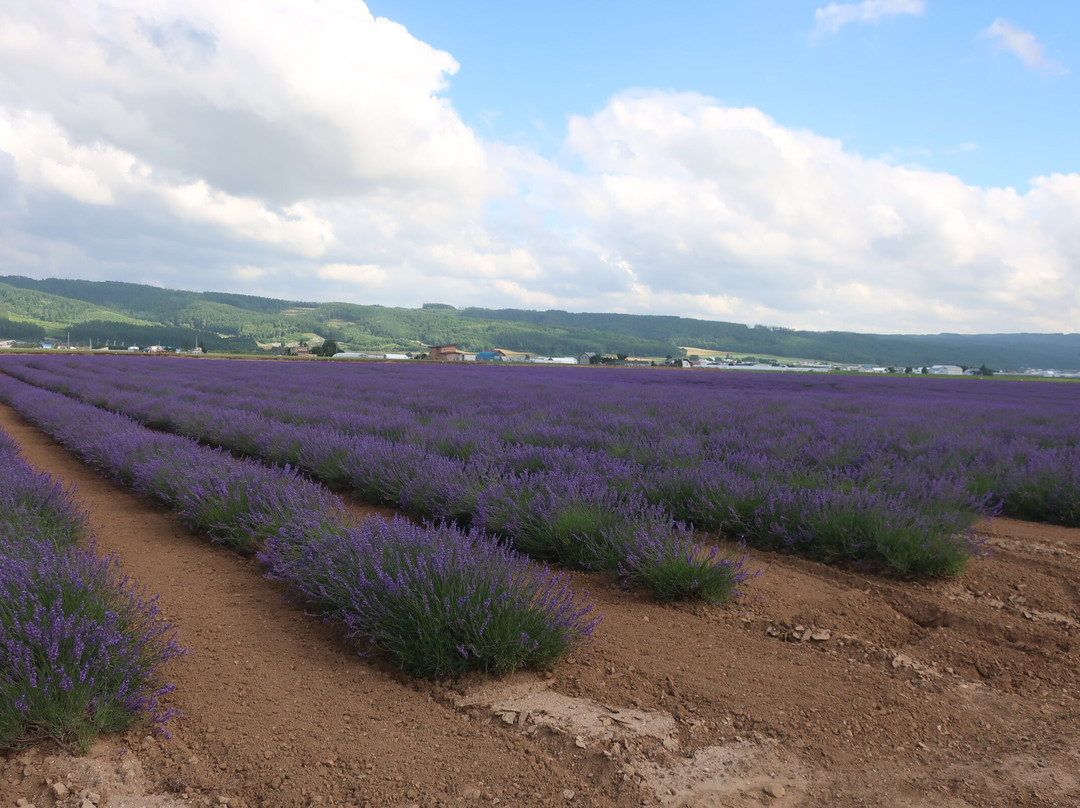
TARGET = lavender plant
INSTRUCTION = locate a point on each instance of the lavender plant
(81, 648)
(672, 566)
(34, 508)
(438, 600)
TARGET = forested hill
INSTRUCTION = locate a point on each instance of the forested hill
(996, 350)
(136, 314)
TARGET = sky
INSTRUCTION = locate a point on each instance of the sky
(885, 166)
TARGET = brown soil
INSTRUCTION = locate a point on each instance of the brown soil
(821, 687)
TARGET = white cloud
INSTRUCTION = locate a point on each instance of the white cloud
(834, 16)
(721, 204)
(355, 274)
(1007, 37)
(296, 228)
(75, 181)
(45, 160)
(317, 98)
(249, 274)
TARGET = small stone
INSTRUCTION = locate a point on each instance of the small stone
(222, 800)
(579, 742)
(60, 791)
(821, 635)
(471, 793)
(902, 661)
(568, 794)
(806, 635)
(774, 790)
(509, 718)
(86, 804)
(645, 619)
(93, 796)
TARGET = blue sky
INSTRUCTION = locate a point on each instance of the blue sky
(926, 88)
(897, 166)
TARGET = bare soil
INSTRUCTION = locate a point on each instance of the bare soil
(820, 687)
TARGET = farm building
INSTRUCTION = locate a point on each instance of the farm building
(445, 353)
(554, 360)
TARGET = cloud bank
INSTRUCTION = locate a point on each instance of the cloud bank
(319, 159)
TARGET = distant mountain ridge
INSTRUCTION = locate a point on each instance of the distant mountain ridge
(128, 313)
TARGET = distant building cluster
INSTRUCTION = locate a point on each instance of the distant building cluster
(451, 353)
(66, 346)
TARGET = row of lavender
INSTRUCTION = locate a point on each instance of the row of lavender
(888, 471)
(80, 647)
(436, 599)
(563, 511)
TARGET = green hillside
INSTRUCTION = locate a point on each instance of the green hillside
(1061, 351)
(54, 310)
(134, 314)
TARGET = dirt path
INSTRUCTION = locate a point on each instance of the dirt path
(822, 687)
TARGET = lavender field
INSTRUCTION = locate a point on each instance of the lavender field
(634, 472)
(436, 599)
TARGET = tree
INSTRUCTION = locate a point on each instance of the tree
(328, 348)
(985, 371)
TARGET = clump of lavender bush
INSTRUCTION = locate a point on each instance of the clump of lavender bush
(1046, 486)
(236, 502)
(80, 647)
(672, 566)
(438, 600)
(578, 521)
(34, 507)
